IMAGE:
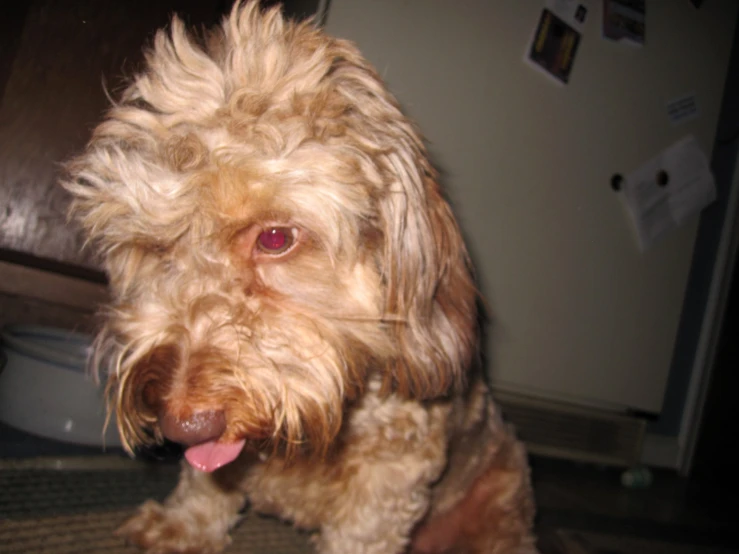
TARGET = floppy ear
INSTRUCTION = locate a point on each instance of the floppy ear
(430, 295)
(429, 283)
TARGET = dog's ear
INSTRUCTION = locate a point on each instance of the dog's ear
(430, 295)
(429, 286)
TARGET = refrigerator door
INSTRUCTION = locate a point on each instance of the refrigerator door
(578, 313)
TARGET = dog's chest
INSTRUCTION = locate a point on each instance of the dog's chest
(388, 442)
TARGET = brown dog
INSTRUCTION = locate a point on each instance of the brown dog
(293, 302)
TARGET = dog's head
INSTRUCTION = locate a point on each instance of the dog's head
(275, 240)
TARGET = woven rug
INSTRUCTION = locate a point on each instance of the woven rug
(65, 506)
(76, 510)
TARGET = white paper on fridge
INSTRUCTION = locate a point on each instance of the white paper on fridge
(668, 189)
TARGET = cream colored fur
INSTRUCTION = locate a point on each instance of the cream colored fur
(346, 362)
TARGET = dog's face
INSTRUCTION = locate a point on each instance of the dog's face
(274, 238)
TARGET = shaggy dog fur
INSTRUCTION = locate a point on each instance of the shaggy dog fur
(292, 300)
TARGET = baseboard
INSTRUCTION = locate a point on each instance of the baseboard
(557, 429)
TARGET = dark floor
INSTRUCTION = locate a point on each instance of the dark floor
(674, 509)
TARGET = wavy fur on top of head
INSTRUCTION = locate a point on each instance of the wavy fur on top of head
(269, 124)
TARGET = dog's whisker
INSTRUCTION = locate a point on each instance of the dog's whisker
(385, 319)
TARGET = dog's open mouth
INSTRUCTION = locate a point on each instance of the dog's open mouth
(209, 456)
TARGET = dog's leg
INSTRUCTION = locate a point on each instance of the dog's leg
(489, 519)
(195, 518)
(495, 514)
(379, 513)
(484, 502)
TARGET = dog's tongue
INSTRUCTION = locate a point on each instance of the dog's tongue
(211, 455)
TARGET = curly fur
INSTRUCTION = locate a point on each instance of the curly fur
(344, 362)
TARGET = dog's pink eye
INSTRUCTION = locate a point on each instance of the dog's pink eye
(276, 240)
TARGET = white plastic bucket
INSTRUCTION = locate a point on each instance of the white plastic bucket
(45, 389)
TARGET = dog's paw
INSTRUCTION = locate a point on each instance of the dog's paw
(159, 530)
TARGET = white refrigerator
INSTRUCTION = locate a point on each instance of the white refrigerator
(579, 314)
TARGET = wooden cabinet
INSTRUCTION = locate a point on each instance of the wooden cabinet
(57, 57)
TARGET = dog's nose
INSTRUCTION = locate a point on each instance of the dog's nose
(198, 428)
